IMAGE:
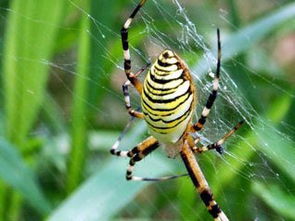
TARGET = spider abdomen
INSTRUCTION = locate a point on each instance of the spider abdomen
(168, 98)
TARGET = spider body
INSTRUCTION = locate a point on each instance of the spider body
(168, 98)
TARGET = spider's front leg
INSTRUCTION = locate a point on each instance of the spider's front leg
(199, 125)
(127, 60)
(132, 78)
(200, 182)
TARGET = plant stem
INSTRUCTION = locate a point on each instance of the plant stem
(79, 124)
(15, 206)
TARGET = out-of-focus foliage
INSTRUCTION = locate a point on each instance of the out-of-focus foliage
(62, 108)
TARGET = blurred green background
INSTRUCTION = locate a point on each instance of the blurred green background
(62, 109)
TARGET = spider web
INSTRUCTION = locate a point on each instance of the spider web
(231, 107)
(243, 156)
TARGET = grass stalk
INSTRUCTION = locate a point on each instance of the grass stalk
(3, 198)
(79, 111)
(15, 206)
(28, 44)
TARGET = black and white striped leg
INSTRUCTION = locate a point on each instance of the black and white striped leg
(130, 110)
(125, 88)
(141, 151)
(127, 60)
(217, 145)
(121, 153)
(199, 125)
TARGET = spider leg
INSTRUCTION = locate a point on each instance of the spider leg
(142, 150)
(200, 182)
(121, 153)
(217, 145)
(125, 88)
(199, 125)
(130, 110)
(142, 69)
(127, 60)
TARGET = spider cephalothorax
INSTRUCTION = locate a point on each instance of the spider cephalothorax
(168, 100)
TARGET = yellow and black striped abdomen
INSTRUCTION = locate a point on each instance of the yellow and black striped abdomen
(168, 98)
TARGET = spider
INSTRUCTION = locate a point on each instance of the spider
(168, 99)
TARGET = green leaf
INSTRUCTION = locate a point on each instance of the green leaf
(280, 201)
(14, 172)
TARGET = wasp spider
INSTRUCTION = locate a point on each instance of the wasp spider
(168, 100)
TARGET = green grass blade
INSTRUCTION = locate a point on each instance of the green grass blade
(279, 149)
(29, 42)
(283, 203)
(108, 187)
(242, 40)
(244, 150)
(276, 113)
(80, 110)
(14, 172)
(105, 193)
(52, 115)
(28, 46)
